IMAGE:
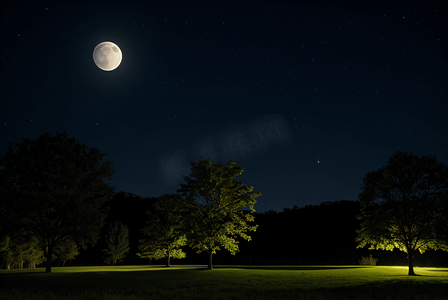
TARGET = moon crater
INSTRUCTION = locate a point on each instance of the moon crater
(107, 56)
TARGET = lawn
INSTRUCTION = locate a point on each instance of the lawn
(225, 282)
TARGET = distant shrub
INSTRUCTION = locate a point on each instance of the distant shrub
(368, 261)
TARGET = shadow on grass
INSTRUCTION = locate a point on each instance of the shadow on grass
(387, 289)
(158, 282)
(289, 268)
(384, 289)
(113, 271)
(17, 273)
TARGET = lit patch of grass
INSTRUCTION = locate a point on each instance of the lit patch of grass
(225, 282)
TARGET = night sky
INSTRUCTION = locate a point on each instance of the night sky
(306, 96)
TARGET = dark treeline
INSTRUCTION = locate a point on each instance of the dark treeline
(56, 207)
(314, 234)
(130, 210)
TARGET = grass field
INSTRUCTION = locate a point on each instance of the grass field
(224, 282)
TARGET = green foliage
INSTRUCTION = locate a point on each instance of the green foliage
(55, 190)
(165, 230)
(117, 241)
(66, 250)
(213, 205)
(368, 261)
(153, 250)
(22, 249)
(4, 243)
(404, 205)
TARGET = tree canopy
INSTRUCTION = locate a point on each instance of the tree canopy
(165, 230)
(404, 205)
(22, 248)
(66, 251)
(53, 188)
(117, 241)
(214, 201)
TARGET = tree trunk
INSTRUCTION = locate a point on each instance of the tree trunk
(49, 257)
(210, 265)
(168, 261)
(410, 263)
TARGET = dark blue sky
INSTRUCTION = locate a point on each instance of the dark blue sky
(307, 96)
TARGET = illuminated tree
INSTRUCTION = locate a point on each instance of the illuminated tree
(22, 249)
(404, 205)
(66, 251)
(55, 190)
(165, 230)
(214, 202)
(117, 241)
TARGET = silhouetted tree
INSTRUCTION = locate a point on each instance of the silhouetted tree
(214, 202)
(307, 235)
(55, 190)
(5, 233)
(4, 243)
(165, 230)
(117, 241)
(404, 205)
(130, 209)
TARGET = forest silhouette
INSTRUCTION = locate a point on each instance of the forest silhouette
(49, 184)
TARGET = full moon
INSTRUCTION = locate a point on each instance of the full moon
(107, 56)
